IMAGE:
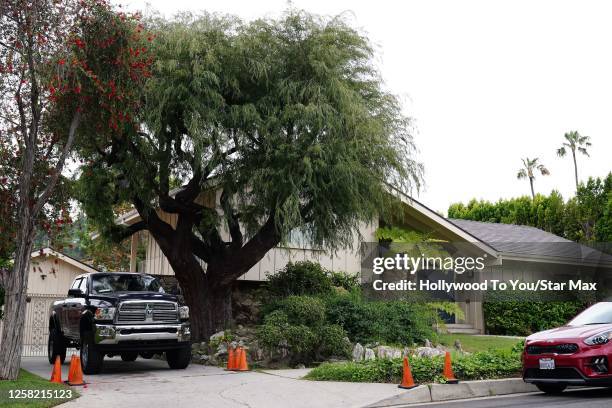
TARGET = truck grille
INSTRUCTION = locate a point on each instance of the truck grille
(146, 312)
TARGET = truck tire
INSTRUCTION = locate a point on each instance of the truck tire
(129, 356)
(179, 359)
(91, 358)
(56, 346)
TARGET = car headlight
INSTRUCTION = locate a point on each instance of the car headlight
(105, 313)
(600, 338)
(184, 312)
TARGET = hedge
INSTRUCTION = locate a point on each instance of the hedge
(477, 366)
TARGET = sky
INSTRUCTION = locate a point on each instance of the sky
(485, 82)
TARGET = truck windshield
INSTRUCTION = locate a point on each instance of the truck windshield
(125, 283)
(599, 313)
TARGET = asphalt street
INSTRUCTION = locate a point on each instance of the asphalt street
(578, 398)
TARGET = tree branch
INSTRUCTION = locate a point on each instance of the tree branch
(232, 221)
(44, 196)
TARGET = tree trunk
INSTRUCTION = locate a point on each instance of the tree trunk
(15, 288)
(532, 191)
(575, 169)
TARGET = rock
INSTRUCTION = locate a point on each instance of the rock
(217, 336)
(397, 353)
(300, 366)
(458, 346)
(221, 350)
(428, 343)
(195, 347)
(429, 352)
(381, 352)
(358, 352)
(369, 354)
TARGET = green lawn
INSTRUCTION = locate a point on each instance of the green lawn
(472, 343)
(29, 381)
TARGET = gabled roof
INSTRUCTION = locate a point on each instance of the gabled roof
(525, 241)
(68, 259)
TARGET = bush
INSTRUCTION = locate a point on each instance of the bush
(303, 310)
(512, 315)
(300, 278)
(389, 322)
(298, 323)
(481, 365)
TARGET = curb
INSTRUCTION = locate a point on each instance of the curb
(463, 390)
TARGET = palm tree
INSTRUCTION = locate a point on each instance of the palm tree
(574, 141)
(529, 169)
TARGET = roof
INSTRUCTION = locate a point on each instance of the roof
(526, 241)
(68, 259)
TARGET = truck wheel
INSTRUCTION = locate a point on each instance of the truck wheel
(179, 358)
(91, 358)
(131, 356)
(56, 346)
(551, 388)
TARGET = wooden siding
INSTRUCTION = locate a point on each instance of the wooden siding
(347, 260)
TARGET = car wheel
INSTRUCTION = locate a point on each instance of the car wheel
(91, 357)
(179, 358)
(131, 356)
(551, 388)
(56, 346)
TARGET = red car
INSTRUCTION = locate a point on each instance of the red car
(578, 353)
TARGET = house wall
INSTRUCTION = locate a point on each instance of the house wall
(346, 260)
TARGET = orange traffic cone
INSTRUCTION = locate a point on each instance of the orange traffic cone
(75, 375)
(407, 380)
(448, 370)
(231, 358)
(241, 361)
(56, 374)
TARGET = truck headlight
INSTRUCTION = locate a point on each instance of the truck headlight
(105, 313)
(184, 312)
(600, 338)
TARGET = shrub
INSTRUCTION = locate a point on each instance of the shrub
(515, 315)
(300, 278)
(344, 280)
(389, 322)
(298, 323)
(481, 365)
(303, 310)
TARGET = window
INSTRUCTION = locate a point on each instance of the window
(76, 283)
(83, 285)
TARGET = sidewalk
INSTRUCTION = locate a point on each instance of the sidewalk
(150, 384)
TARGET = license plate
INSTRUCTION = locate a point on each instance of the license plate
(547, 364)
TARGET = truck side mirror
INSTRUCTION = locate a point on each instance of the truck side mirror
(75, 293)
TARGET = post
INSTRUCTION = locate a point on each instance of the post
(133, 250)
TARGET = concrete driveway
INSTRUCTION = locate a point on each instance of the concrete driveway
(150, 384)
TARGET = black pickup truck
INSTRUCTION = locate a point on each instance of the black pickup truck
(125, 314)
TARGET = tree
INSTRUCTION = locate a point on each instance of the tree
(574, 142)
(529, 171)
(286, 119)
(54, 64)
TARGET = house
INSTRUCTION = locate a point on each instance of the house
(512, 251)
(50, 275)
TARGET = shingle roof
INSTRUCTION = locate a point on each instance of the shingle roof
(530, 241)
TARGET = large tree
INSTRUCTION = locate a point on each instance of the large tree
(288, 119)
(58, 59)
(574, 142)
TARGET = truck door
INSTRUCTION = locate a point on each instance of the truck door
(72, 309)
